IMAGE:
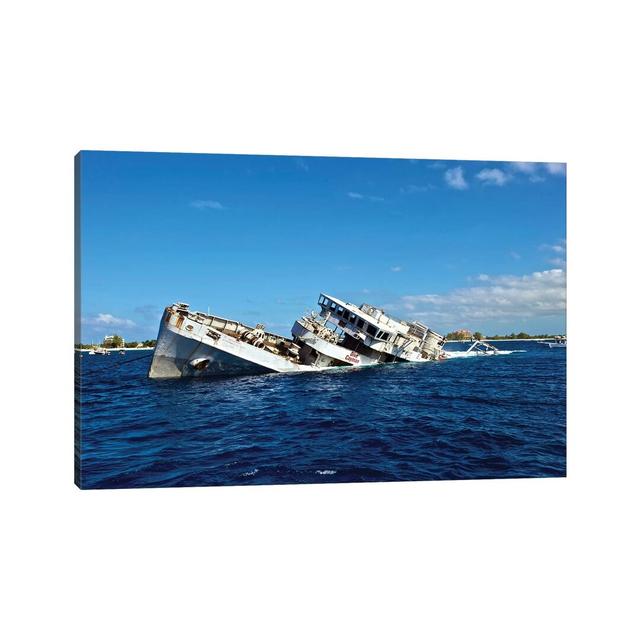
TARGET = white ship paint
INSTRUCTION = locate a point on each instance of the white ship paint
(192, 344)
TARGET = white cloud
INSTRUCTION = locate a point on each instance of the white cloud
(515, 255)
(556, 168)
(509, 298)
(396, 269)
(558, 247)
(531, 169)
(206, 204)
(455, 178)
(495, 177)
(107, 320)
(525, 167)
(360, 196)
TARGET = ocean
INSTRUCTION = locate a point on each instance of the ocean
(498, 416)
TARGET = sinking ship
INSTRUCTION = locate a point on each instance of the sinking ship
(192, 343)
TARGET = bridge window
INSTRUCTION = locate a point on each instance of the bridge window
(360, 323)
(371, 330)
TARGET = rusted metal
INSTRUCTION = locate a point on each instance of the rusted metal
(340, 335)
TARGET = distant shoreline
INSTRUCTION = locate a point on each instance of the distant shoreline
(448, 341)
(118, 349)
(505, 340)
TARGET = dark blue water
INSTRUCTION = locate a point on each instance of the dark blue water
(482, 417)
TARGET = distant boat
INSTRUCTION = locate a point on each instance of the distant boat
(482, 348)
(558, 342)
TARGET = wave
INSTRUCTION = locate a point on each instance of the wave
(505, 418)
(471, 354)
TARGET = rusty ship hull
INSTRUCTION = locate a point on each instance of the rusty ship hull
(191, 345)
(194, 344)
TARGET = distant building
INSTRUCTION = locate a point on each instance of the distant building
(464, 334)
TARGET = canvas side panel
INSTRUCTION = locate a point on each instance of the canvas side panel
(77, 339)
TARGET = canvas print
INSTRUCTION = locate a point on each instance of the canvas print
(246, 319)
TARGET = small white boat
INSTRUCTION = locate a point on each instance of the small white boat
(558, 342)
(482, 348)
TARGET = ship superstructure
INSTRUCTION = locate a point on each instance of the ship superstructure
(339, 335)
(367, 334)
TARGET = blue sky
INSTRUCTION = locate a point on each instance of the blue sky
(479, 245)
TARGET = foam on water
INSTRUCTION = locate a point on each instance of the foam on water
(470, 354)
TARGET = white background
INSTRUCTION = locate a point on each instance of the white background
(544, 81)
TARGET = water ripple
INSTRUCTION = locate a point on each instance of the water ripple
(497, 417)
